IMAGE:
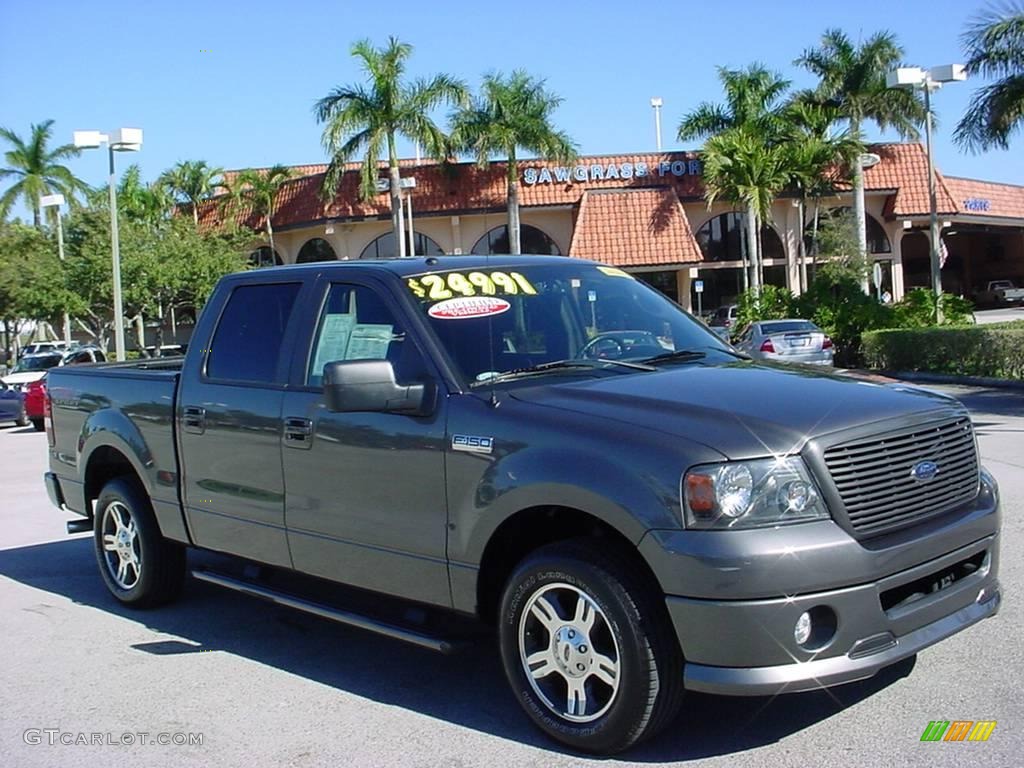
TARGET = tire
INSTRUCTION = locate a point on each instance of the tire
(39, 424)
(140, 568)
(22, 420)
(611, 638)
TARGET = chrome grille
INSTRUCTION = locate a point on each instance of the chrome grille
(874, 475)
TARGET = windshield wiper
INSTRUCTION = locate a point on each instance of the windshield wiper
(555, 365)
(679, 354)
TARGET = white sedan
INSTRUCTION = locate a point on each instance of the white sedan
(786, 341)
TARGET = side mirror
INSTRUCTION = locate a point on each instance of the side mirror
(369, 385)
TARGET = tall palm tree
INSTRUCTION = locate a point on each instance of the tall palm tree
(368, 118)
(851, 80)
(146, 203)
(257, 190)
(994, 43)
(38, 170)
(511, 113)
(751, 121)
(191, 182)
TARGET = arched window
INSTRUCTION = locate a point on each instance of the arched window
(531, 240)
(723, 238)
(316, 249)
(265, 256)
(384, 247)
(878, 241)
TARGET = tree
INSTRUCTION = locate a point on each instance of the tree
(30, 280)
(751, 124)
(369, 118)
(38, 170)
(146, 203)
(191, 182)
(511, 113)
(741, 166)
(994, 44)
(816, 153)
(257, 190)
(851, 81)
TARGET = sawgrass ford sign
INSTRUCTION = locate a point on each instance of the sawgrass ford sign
(561, 174)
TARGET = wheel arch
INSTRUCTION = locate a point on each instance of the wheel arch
(537, 526)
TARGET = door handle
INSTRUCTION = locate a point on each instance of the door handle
(194, 419)
(298, 432)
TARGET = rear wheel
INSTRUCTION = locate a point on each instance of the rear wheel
(588, 648)
(22, 420)
(139, 566)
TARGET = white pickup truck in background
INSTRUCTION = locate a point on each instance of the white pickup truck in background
(1000, 292)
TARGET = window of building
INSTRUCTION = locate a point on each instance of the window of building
(247, 342)
(356, 324)
(265, 256)
(723, 238)
(531, 240)
(316, 249)
(664, 282)
(878, 241)
(384, 247)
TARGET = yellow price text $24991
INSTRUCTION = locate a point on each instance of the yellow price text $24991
(439, 287)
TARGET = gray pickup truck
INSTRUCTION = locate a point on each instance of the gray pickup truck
(548, 447)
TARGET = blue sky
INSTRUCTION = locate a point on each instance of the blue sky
(233, 83)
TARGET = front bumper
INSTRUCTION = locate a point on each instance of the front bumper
(867, 638)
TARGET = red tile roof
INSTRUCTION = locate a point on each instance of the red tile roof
(634, 228)
(904, 169)
(986, 198)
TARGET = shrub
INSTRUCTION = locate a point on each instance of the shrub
(982, 350)
(917, 310)
(775, 303)
(839, 306)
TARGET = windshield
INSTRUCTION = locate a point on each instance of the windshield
(36, 363)
(492, 322)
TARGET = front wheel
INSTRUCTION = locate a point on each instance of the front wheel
(588, 648)
(139, 566)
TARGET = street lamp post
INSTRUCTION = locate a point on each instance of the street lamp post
(409, 183)
(657, 103)
(929, 80)
(122, 140)
(866, 160)
(56, 201)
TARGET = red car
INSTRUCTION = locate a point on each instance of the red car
(35, 398)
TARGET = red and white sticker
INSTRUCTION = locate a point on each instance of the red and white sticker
(466, 307)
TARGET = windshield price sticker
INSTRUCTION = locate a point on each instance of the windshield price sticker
(615, 272)
(449, 285)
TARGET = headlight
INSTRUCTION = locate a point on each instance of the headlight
(751, 494)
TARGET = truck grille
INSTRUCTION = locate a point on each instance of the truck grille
(875, 479)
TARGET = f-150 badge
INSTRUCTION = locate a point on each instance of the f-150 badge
(472, 443)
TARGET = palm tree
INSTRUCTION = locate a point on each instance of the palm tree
(994, 43)
(369, 118)
(191, 182)
(257, 190)
(816, 152)
(739, 165)
(146, 203)
(38, 170)
(752, 122)
(511, 113)
(851, 81)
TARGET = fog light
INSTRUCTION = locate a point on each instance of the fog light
(802, 631)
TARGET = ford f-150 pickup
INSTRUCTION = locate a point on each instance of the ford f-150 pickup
(548, 447)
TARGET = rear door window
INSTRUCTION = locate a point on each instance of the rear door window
(247, 343)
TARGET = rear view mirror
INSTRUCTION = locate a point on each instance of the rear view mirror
(369, 385)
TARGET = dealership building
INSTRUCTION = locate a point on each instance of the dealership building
(646, 213)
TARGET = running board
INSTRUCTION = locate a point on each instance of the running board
(438, 644)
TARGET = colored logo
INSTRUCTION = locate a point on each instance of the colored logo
(958, 730)
(466, 307)
(924, 471)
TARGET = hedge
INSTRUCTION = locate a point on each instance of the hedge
(981, 350)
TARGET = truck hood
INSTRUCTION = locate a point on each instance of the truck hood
(741, 409)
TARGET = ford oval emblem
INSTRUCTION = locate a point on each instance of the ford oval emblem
(924, 471)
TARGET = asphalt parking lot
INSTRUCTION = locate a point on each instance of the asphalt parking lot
(266, 686)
